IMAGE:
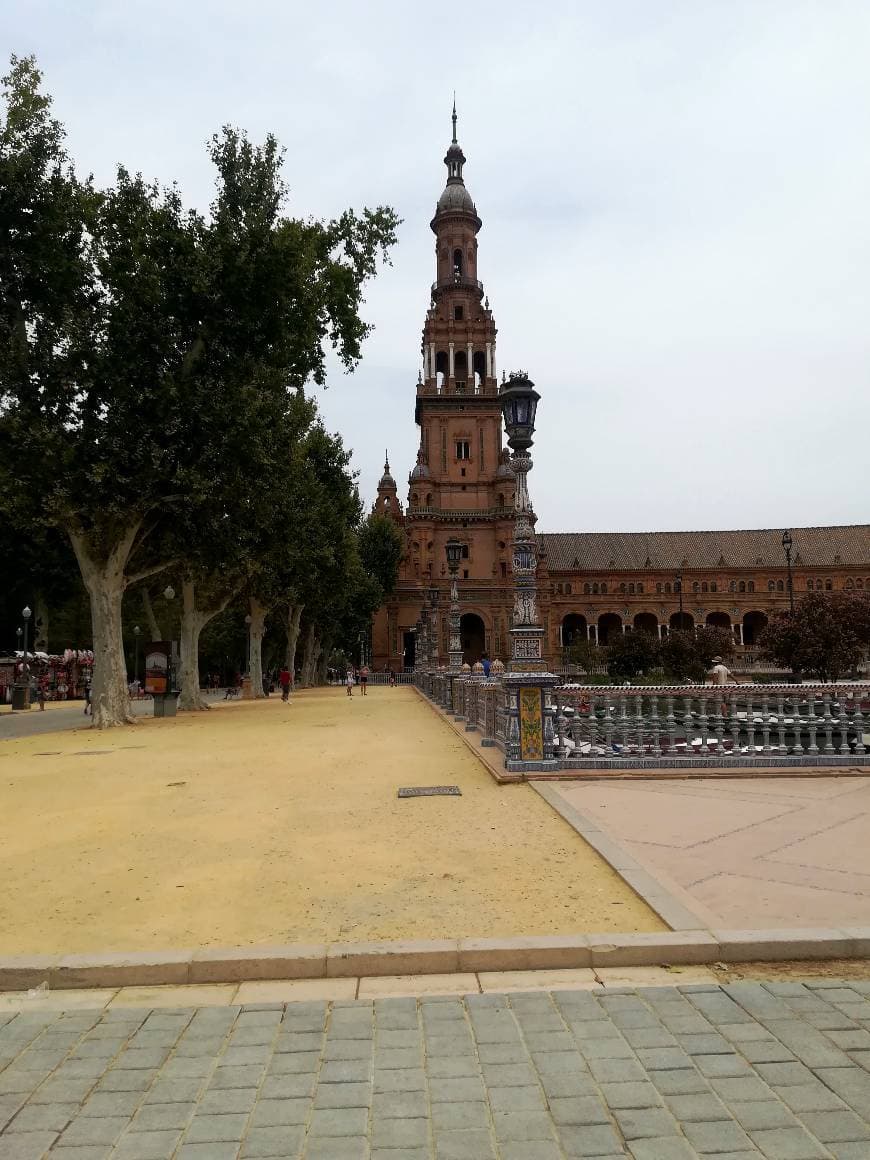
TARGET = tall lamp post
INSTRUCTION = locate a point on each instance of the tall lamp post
(519, 403)
(530, 711)
(453, 548)
(433, 627)
(787, 542)
(678, 584)
(136, 631)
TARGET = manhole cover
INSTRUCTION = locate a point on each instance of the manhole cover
(48, 753)
(430, 791)
(89, 752)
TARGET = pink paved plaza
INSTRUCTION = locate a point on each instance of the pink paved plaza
(771, 852)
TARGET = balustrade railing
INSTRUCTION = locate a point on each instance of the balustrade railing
(687, 723)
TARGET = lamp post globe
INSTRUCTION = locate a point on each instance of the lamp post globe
(169, 592)
(519, 404)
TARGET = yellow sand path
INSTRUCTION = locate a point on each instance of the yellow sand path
(271, 823)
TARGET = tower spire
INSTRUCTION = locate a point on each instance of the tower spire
(455, 142)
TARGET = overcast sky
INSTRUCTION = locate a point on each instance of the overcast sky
(675, 197)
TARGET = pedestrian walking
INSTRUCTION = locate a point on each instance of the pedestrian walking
(720, 674)
(392, 677)
(364, 678)
(349, 682)
(284, 682)
(40, 695)
(487, 664)
(88, 707)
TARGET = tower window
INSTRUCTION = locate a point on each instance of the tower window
(457, 262)
(458, 312)
(465, 551)
(463, 449)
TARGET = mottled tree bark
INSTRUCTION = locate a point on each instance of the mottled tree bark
(294, 616)
(193, 621)
(153, 626)
(257, 630)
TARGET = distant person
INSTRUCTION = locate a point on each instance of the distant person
(349, 682)
(284, 682)
(40, 695)
(88, 707)
(487, 664)
(364, 678)
(392, 677)
(720, 674)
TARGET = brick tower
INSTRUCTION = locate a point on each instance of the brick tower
(462, 485)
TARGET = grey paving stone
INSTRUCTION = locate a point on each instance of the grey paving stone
(394, 1057)
(238, 1056)
(407, 1079)
(138, 1059)
(554, 1062)
(296, 1041)
(631, 1095)
(682, 1082)
(617, 1070)
(278, 1113)
(346, 1071)
(649, 1037)
(451, 1045)
(762, 1114)
(835, 1127)
(188, 1067)
(515, 1099)
(460, 1090)
(43, 1118)
(162, 1117)
(578, 1110)
(460, 1116)
(26, 1145)
(522, 1125)
(529, 1150)
(399, 1038)
(343, 1095)
(789, 1144)
(636, 1123)
(155, 1145)
(62, 1091)
(765, 1051)
(211, 1151)
(399, 1105)
(784, 1073)
(808, 1044)
(722, 1066)
(400, 1154)
(720, 1136)
(452, 1067)
(111, 1104)
(567, 1084)
(851, 1085)
(339, 1122)
(278, 1087)
(95, 1130)
(662, 1058)
(697, 1108)
(122, 1080)
(741, 1089)
(502, 1053)
(810, 1097)
(474, 1145)
(206, 1129)
(251, 1036)
(605, 1048)
(508, 1074)
(82, 1152)
(663, 1148)
(285, 1143)
(594, 1140)
(707, 1044)
(220, 1101)
(400, 1133)
(171, 1091)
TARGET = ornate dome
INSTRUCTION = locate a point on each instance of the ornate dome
(454, 197)
(497, 666)
(387, 481)
(466, 668)
(420, 470)
(477, 667)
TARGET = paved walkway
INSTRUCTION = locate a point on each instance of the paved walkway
(778, 1070)
(760, 852)
(59, 716)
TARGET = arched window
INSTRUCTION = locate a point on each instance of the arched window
(705, 586)
(586, 589)
(658, 589)
(631, 589)
(810, 585)
(742, 585)
(428, 499)
(712, 585)
(604, 589)
(458, 262)
(771, 586)
(640, 589)
(568, 589)
(622, 587)
(828, 585)
(594, 589)
(414, 498)
(696, 587)
(668, 587)
(780, 587)
(859, 584)
(849, 583)
(386, 502)
(750, 587)
(732, 586)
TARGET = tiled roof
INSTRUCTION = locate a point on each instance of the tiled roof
(847, 546)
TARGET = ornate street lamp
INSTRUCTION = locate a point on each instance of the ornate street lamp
(26, 613)
(519, 404)
(453, 548)
(136, 631)
(678, 588)
(433, 626)
(786, 547)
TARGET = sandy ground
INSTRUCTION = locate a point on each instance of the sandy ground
(272, 823)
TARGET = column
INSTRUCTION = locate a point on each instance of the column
(450, 371)
(494, 372)
(431, 374)
(489, 360)
(740, 632)
(470, 367)
(659, 627)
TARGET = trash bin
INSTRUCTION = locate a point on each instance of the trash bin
(165, 704)
(20, 697)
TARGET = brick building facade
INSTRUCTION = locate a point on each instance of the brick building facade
(590, 584)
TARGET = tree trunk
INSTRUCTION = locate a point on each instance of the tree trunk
(40, 624)
(153, 626)
(192, 624)
(308, 657)
(105, 582)
(294, 616)
(322, 659)
(258, 629)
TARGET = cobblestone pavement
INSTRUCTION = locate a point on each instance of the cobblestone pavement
(780, 1070)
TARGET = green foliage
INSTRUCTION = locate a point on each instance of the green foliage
(585, 654)
(826, 638)
(631, 654)
(381, 546)
(689, 654)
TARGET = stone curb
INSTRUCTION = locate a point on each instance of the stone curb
(344, 960)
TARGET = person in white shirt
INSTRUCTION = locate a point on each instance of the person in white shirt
(720, 674)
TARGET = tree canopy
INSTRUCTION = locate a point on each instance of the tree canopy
(827, 636)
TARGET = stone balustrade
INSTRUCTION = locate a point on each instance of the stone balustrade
(671, 726)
